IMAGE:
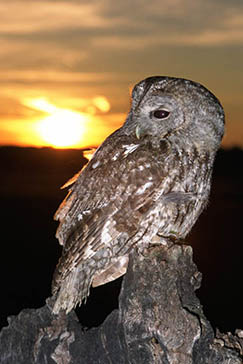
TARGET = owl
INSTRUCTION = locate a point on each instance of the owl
(148, 181)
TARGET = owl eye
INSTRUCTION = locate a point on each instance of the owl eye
(161, 114)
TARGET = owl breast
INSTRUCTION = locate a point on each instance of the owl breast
(185, 192)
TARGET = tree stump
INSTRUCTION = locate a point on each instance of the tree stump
(159, 320)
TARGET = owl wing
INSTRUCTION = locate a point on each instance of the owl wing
(108, 200)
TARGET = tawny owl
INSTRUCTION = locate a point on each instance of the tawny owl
(149, 178)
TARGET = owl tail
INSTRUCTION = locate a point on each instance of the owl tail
(73, 290)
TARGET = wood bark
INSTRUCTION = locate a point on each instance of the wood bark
(159, 320)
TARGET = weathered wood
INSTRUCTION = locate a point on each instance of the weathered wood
(160, 320)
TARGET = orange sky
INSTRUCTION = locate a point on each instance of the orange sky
(67, 67)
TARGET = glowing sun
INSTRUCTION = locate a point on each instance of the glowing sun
(62, 127)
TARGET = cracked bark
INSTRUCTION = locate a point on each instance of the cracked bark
(159, 320)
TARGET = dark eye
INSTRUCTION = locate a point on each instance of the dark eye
(161, 114)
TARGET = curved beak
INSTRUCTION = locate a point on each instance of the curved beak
(140, 131)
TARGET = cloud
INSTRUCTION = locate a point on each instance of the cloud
(54, 76)
(74, 49)
(202, 38)
(11, 108)
(31, 16)
(68, 35)
(63, 37)
(108, 18)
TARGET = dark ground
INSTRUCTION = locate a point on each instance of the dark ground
(30, 195)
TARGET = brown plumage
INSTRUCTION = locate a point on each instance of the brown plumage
(149, 178)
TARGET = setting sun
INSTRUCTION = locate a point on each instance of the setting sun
(60, 122)
(61, 128)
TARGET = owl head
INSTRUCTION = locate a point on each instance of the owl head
(176, 109)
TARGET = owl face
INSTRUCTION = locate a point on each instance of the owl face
(165, 107)
(158, 115)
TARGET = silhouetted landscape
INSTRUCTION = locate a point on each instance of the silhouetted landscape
(30, 194)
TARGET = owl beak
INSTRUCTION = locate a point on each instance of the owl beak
(140, 132)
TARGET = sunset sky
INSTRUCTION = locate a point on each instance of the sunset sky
(67, 67)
